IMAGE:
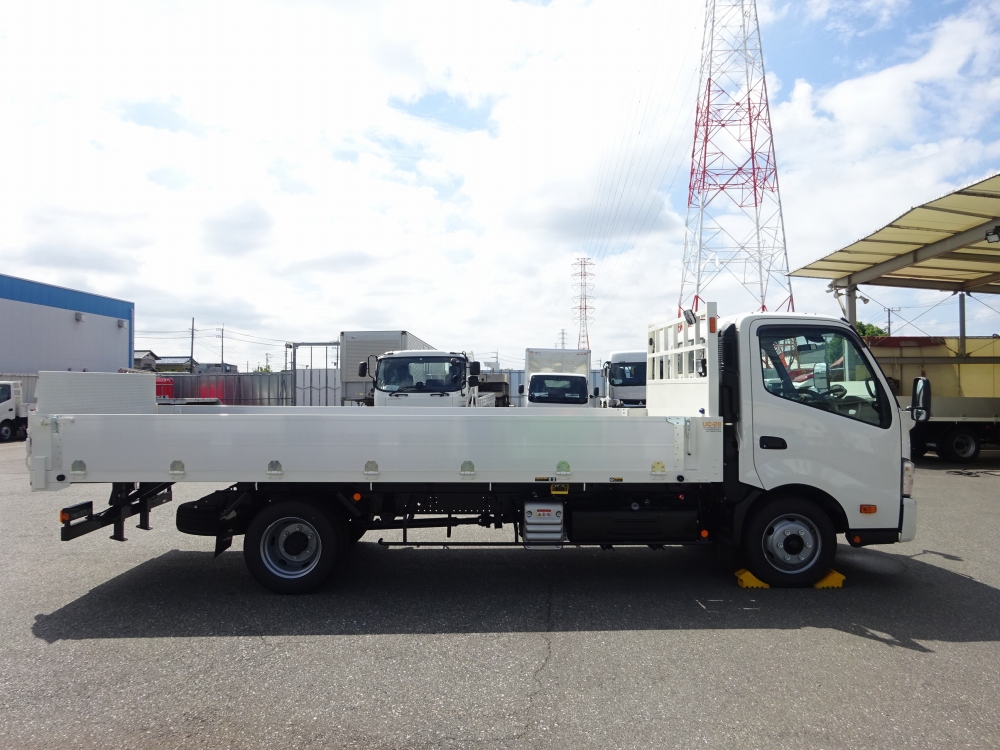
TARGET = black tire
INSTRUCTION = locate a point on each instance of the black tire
(959, 445)
(277, 552)
(802, 525)
(7, 431)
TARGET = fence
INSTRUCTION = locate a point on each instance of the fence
(236, 389)
(312, 387)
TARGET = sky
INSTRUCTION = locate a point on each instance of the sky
(289, 170)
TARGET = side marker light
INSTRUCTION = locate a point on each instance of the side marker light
(357, 496)
(704, 533)
(869, 509)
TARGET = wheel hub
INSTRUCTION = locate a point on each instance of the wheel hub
(291, 547)
(791, 543)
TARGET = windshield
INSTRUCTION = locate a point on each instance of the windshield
(557, 389)
(417, 374)
(628, 373)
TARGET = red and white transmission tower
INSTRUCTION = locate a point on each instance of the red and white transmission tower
(583, 310)
(734, 220)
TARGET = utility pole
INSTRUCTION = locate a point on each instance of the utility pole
(734, 222)
(890, 311)
(191, 361)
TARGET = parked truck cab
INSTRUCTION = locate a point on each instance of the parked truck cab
(625, 379)
(424, 378)
(13, 410)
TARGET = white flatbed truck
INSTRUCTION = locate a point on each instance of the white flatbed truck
(729, 449)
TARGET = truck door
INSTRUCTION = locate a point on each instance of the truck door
(823, 417)
(6, 402)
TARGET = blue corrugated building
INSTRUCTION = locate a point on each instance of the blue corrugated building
(46, 327)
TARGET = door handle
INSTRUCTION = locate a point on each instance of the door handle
(769, 442)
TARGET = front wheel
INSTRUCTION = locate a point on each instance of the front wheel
(291, 547)
(7, 431)
(790, 542)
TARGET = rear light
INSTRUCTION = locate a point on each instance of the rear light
(908, 471)
(75, 512)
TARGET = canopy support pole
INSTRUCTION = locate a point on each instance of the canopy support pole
(852, 305)
(961, 324)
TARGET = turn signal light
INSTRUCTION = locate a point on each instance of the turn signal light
(357, 496)
(869, 509)
(711, 325)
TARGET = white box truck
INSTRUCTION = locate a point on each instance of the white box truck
(732, 448)
(625, 380)
(357, 347)
(558, 377)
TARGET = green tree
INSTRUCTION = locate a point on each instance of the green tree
(265, 368)
(868, 329)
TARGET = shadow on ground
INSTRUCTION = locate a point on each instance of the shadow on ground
(895, 599)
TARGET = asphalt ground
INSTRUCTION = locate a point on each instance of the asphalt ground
(155, 644)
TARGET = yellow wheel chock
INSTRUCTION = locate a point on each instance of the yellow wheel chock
(747, 580)
(832, 580)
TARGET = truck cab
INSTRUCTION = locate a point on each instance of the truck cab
(13, 410)
(558, 377)
(625, 379)
(420, 377)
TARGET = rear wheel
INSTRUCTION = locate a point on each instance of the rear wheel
(291, 547)
(790, 542)
(7, 431)
(959, 445)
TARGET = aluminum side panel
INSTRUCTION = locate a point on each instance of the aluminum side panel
(411, 447)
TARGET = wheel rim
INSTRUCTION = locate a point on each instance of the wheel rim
(791, 543)
(6, 432)
(291, 547)
(963, 445)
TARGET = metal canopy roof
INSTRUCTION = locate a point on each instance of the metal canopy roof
(939, 245)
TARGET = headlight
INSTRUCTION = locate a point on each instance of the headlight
(908, 471)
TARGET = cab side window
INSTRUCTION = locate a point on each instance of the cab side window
(4, 393)
(822, 369)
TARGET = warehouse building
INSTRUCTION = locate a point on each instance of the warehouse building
(48, 327)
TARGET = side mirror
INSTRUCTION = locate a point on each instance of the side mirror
(474, 368)
(605, 368)
(363, 370)
(597, 391)
(520, 389)
(920, 404)
(821, 378)
(473, 380)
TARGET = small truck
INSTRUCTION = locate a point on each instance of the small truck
(13, 410)
(735, 447)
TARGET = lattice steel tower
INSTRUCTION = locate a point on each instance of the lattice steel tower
(734, 220)
(583, 310)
